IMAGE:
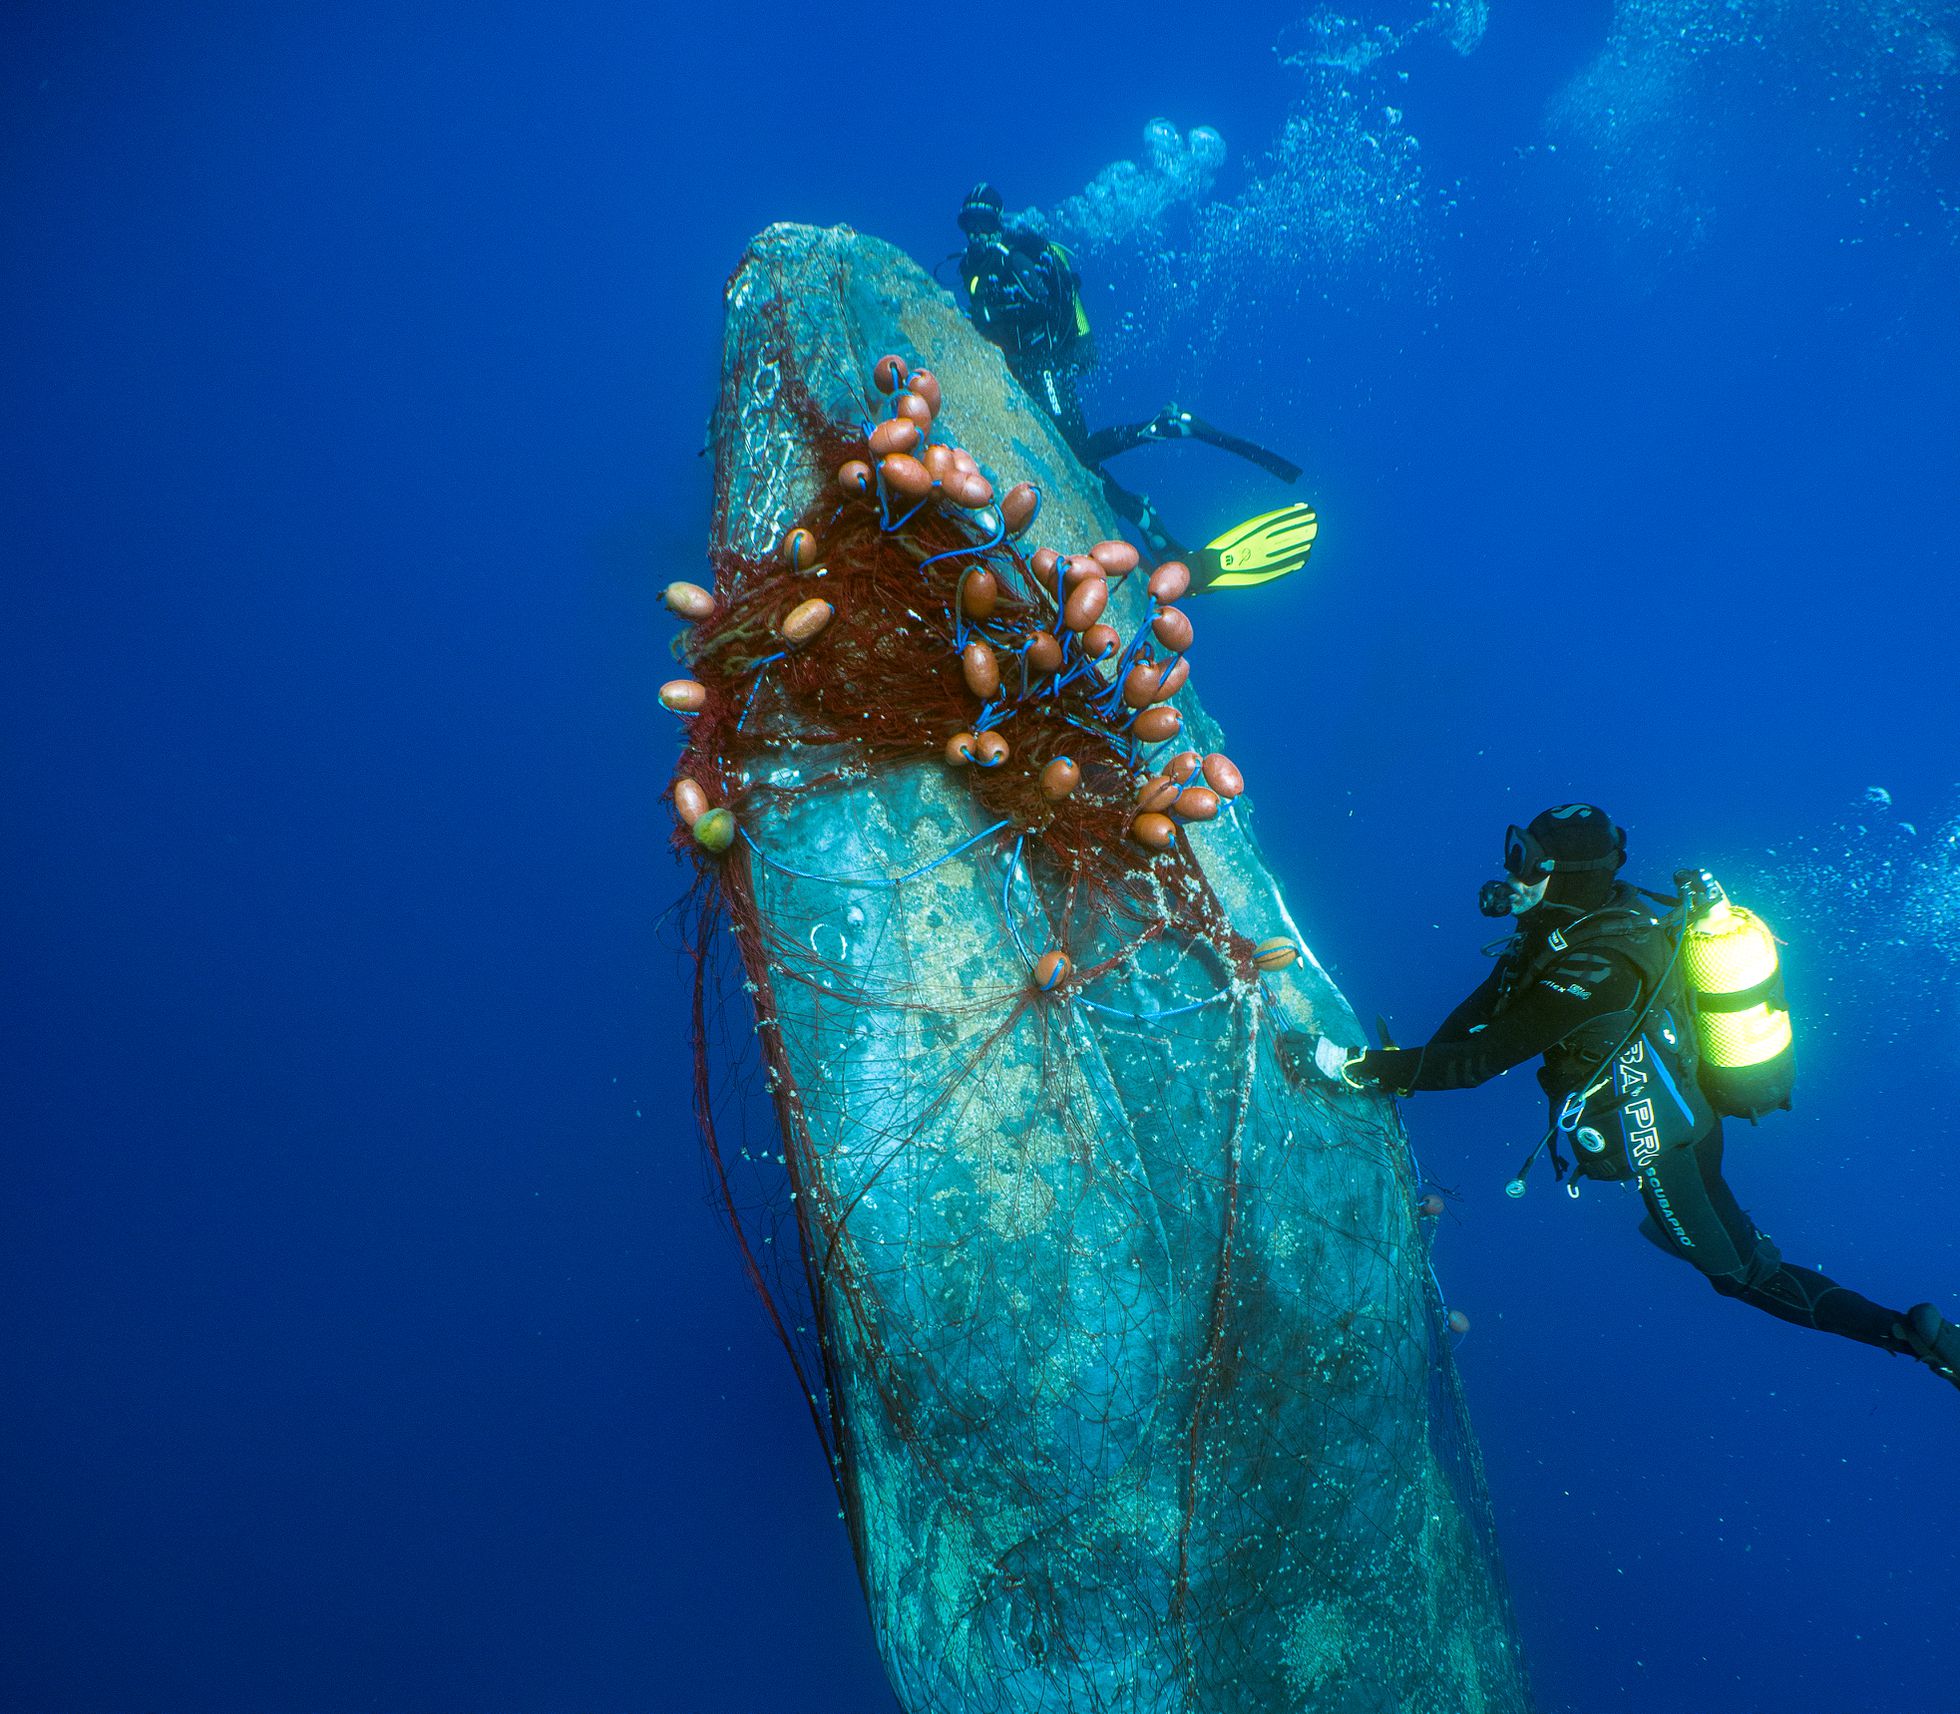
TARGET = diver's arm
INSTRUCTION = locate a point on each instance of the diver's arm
(1472, 1013)
(1540, 1018)
(1475, 1011)
(1001, 306)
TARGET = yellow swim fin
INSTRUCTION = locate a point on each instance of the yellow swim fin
(1256, 551)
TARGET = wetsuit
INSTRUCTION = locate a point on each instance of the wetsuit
(1536, 1002)
(1024, 296)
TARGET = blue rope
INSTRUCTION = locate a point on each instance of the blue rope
(993, 714)
(1107, 701)
(1006, 887)
(916, 510)
(980, 552)
(874, 880)
(1153, 1017)
(748, 701)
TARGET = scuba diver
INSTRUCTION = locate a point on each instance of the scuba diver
(1640, 1058)
(1024, 295)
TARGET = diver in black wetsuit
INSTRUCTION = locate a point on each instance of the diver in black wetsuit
(1587, 980)
(1024, 295)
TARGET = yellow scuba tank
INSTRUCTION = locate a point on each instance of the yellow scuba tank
(1074, 288)
(1735, 996)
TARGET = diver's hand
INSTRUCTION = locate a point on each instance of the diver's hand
(1330, 1059)
(1302, 1055)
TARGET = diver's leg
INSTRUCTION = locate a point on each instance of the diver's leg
(1053, 389)
(1137, 508)
(1170, 423)
(1934, 1340)
(1120, 437)
(1175, 423)
(1693, 1214)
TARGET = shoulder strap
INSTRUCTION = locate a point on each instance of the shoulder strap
(1628, 923)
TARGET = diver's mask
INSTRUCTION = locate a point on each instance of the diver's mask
(980, 216)
(1526, 863)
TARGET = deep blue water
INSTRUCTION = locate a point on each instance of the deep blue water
(370, 1342)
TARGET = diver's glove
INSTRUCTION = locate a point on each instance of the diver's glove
(1330, 1059)
(1299, 1051)
(1933, 1339)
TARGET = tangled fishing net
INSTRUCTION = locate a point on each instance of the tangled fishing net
(1125, 1350)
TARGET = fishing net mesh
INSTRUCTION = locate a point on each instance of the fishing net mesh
(1123, 1346)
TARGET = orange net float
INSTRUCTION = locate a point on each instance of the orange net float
(1060, 777)
(799, 550)
(905, 475)
(805, 620)
(1172, 628)
(979, 593)
(690, 801)
(688, 601)
(1052, 970)
(889, 373)
(1170, 580)
(1223, 776)
(968, 488)
(1085, 604)
(897, 435)
(1115, 558)
(926, 384)
(1101, 642)
(1171, 680)
(1018, 507)
(1042, 652)
(1278, 953)
(1140, 684)
(981, 670)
